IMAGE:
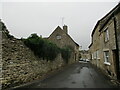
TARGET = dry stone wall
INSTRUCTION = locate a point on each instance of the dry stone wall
(20, 65)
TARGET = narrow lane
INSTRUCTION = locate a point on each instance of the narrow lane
(79, 75)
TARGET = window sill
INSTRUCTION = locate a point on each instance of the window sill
(106, 41)
(98, 58)
(107, 63)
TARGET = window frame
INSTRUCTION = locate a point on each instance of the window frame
(58, 37)
(92, 55)
(106, 57)
(106, 34)
(98, 54)
(95, 55)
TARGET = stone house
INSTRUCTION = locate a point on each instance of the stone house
(61, 38)
(105, 46)
(84, 54)
(94, 48)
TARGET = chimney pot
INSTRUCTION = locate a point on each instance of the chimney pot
(65, 28)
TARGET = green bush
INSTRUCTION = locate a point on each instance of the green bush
(42, 48)
(50, 50)
(45, 49)
(66, 53)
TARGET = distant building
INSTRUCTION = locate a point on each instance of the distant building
(61, 38)
(105, 46)
(84, 54)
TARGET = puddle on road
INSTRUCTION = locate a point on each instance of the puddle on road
(82, 74)
(84, 70)
(73, 82)
(84, 84)
(78, 70)
(82, 78)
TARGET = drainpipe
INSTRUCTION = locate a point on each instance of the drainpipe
(117, 52)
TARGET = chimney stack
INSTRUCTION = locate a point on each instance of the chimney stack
(65, 28)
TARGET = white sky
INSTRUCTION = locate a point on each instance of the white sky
(24, 18)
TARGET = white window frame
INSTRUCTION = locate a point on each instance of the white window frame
(106, 58)
(95, 56)
(98, 54)
(92, 55)
(106, 34)
(58, 37)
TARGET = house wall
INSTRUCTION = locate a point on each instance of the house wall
(90, 53)
(95, 48)
(84, 54)
(65, 41)
(117, 18)
(111, 22)
(99, 44)
(110, 46)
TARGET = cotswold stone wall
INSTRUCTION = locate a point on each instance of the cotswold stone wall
(118, 35)
(20, 65)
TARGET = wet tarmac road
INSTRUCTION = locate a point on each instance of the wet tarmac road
(79, 75)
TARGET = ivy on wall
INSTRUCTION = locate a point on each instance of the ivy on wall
(45, 49)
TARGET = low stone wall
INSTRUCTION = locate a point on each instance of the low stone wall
(20, 65)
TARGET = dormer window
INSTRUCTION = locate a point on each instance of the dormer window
(58, 37)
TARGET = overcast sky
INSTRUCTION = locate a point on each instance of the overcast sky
(24, 18)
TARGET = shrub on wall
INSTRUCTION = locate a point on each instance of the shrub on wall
(42, 48)
(45, 49)
(66, 53)
(50, 50)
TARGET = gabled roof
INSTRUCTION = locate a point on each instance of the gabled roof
(59, 28)
(73, 40)
(95, 27)
(108, 16)
(90, 45)
(105, 19)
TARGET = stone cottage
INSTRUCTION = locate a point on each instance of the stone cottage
(84, 54)
(105, 46)
(61, 38)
